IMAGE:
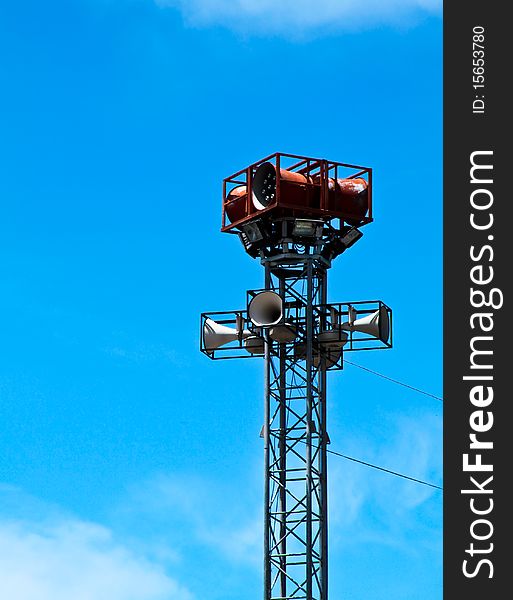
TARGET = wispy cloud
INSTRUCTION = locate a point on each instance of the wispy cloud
(200, 503)
(58, 557)
(365, 505)
(368, 505)
(293, 18)
(140, 352)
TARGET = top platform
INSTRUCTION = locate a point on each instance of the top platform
(287, 185)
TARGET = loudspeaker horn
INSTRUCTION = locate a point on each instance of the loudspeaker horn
(332, 338)
(376, 324)
(330, 352)
(216, 335)
(254, 344)
(283, 333)
(266, 309)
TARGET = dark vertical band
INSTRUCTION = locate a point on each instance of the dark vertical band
(477, 58)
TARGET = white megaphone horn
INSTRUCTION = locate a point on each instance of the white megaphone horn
(216, 335)
(376, 324)
(266, 309)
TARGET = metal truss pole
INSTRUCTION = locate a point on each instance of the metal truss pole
(323, 457)
(299, 346)
(266, 435)
(295, 442)
(283, 457)
(309, 426)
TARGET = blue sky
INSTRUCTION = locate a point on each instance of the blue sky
(131, 464)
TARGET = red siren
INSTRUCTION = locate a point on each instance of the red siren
(306, 188)
(350, 196)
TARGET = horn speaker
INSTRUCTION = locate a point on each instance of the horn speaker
(266, 309)
(329, 352)
(254, 344)
(376, 324)
(332, 338)
(283, 333)
(216, 335)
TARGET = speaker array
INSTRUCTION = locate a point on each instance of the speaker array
(266, 310)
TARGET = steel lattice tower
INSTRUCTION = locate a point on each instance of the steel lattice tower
(300, 337)
(295, 545)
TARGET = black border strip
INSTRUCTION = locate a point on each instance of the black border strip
(473, 137)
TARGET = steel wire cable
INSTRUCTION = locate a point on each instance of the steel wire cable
(411, 387)
(367, 464)
(385, 470)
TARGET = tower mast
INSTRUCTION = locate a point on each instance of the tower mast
(297, 214)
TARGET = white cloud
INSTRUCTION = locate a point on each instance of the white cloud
(365, 505)
(369, 506)
(68, 558)
(55, 556)
(293, 18)
(200, 503)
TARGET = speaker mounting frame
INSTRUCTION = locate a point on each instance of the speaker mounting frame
(322, 313)
(305, 187)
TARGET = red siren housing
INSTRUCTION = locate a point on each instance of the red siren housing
(286, 185)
